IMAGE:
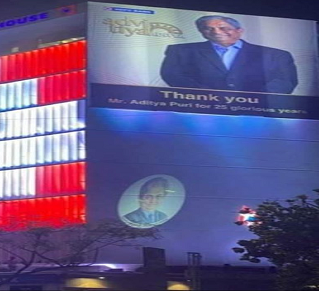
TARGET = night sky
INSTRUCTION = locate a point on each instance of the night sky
(304, 9)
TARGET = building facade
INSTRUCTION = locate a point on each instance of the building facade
(90, 130)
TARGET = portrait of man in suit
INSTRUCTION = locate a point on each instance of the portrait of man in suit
(227, 62)
(151, 195)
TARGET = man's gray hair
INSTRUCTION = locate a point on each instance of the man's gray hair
(200, 22)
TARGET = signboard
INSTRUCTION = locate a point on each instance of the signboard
(163, 59)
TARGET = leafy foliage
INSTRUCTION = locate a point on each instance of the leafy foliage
(287, 234)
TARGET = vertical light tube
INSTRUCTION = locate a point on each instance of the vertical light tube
(19, 70)
(8, 154)
(11, 117)
(48, 148)
(73, 177)
(1, 184)
(73, 115)
(2, 153)
(73, 146)
(48, 119)
(57, 97)
(49, 89)
(15, 176)
(81, 145)
(26, 122)
(73, 86)
(65, 116)
(10, 96)
(3, 97)
(68, 146)
(81, 114)
(4, 69)
(32, 150)
(18, 94)
(82, 177)
(34, 63)
(26, 93)
(10, 123)
(7, 184)
(65, 54)
(34, 91)
(81, 76)
(32, 121)
(3, 125)
(11, 67)
(48, 177)
(24, 153)
(31, 190)
(40, 120)
(23, 180)
(41, 90)
(49, 60)
(40, 145)
(65, 182)
(56, 179)
(57, 58)
(17, 122)
(28, 65)
(57, 147)
(39, 181)
(57, 118)
(16, 153)
(82, 53)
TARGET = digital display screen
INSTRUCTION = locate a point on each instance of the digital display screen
(202, 62)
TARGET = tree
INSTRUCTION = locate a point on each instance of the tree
(65, 246)
(287, 234)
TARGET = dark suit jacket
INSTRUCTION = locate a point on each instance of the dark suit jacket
(255, 68)
(139, 217)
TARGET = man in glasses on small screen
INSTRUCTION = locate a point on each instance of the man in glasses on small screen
(227, 62)
(150, 197)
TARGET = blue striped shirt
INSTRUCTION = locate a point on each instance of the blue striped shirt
(228, 54)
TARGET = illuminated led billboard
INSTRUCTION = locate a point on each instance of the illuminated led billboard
(162, 59)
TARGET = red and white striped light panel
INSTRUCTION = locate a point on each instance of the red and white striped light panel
(41, 91)
(39, 212)
(44, 181)
(42, 141)
(44, 61)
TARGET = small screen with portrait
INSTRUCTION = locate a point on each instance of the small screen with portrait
(151, 201)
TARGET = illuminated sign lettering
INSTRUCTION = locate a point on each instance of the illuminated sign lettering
(24, 20)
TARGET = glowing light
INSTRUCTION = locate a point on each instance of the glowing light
(41, 62)
(10, 96)
(42, 149)
(42, 91)
(18, 94)
(42, 181)
(35, 210)
(60, 179)
(42, 120)
(247, 216)
(3, 97)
